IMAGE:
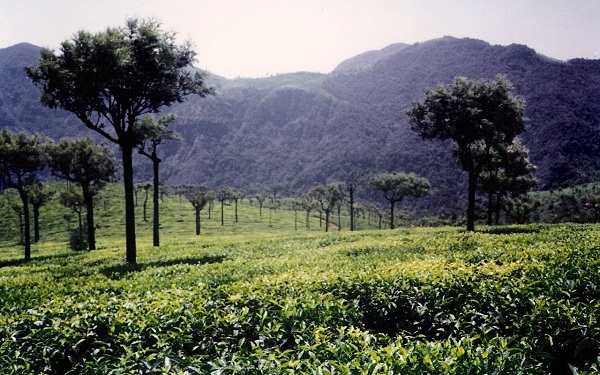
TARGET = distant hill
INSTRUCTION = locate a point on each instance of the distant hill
(299, 129)
(367, 59)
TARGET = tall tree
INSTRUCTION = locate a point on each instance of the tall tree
(88, 165)
(327, 197)
(39, 195)
(308, 203)
(20, 157)
(222, 195)
(198, 196)
(396, 186)
(509, 172)
(352, 184)
(75, 201)
(154, 133)
(111, 79)
(475, 115)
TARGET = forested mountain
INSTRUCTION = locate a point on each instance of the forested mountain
(299, 129)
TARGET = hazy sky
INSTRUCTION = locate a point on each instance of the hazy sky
(254, 38)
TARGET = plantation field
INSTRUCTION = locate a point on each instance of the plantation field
(260, 297)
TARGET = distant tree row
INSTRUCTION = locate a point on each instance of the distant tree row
(114, 81)
(81, 162)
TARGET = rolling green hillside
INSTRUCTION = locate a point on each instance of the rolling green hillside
(253, 298)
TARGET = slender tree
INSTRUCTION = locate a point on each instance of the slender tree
(111, 79)
(39, 195)
(223, 195)
(20, 157)
(154, 133)
(261, 201)
(351, 185)
(476, 116)
(396, 186)
(236, 196)
(198, 197)
(88, 165)
(508, 173)
(327, 198)
(308, 203)
(75, 202)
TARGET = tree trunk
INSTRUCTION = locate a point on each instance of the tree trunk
(490, 208)
(197, 222)
(127, 151)
(27, 234)
(222, 212)
(236, 210)
(497, 209)
(156, 221)
(307, 219)
(327, 221)
(89, 206)
(36, 223)
(392, 204)
(352, 223)
(471, 200)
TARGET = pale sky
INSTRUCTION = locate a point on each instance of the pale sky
(255, 38)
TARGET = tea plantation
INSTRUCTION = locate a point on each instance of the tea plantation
(259, 297)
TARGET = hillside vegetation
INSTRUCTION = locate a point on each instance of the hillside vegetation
(261, 297)
(300, 129)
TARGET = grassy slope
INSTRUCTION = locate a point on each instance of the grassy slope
(249, 298)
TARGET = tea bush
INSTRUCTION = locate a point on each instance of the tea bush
(522, 300)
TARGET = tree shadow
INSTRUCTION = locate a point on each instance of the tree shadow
(118, 271)
(20, 262)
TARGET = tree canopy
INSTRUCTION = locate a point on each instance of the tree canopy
(396, 186)
(88, 165)
(478, 116)
(20, 157)
(111, 79)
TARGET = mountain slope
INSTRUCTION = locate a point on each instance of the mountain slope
(300, 129)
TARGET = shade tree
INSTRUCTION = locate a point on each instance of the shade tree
(111, 79)
(153, 133)
(476, 116)
(76, 202)
(199, 196)
(397, 186)
(351, 185)
(21, 156)
(327, 196)
(39, 195)
(509, 173)
(89, 166)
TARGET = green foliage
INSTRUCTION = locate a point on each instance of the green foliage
(467, 113)
(249, 298)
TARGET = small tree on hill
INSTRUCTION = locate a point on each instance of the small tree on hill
(353, 182)
(396, 186)
(154, 133)
(198, 196)
(476, 116)
(20, 157)
(327, 198)
(111, 79)
(88, 165)
(223, 195)
(76, 202)
(38, 197)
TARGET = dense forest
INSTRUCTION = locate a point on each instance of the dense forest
(300, 129)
